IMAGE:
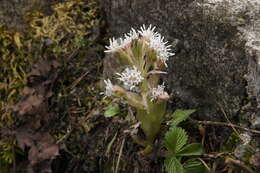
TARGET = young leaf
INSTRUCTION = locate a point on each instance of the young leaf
(193, 166)
(173, 165)
(191, 150)
(111, 110)
(180, 115)
(175, 139)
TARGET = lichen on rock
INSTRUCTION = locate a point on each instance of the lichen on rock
(245, 15)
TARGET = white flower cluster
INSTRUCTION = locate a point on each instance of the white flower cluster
(153, 39)
(130, 77)
(120, 43)
(114, 45)
(148, 33)
(157, 92)
(109, 87)
(156, 42)
(245, 137)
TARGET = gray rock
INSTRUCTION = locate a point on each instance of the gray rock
(217, 61)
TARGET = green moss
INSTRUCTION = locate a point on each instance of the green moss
(71, 27)
(68, 28)
(14, 65)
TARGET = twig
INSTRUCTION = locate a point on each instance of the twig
(120, 154)
(69, 130)
(110, 144)
(72, 55)
(14, 157)
(225, 124)
(205, 164)
(239, 164)
(156, 72)
(221, 108)
(215, 156)
(76, 82)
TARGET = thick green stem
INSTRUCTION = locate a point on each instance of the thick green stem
(151, 121)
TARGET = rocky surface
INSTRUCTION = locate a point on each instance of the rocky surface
(216, 67)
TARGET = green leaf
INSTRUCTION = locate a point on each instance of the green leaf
(173, 165)
(175, 139)
(111, 110)
(191, 150)
(194, 166)
(181, 115)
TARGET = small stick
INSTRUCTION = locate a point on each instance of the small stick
(225, 124)
(120, 154)
(228, 118)
(76, 82)
(69, 130)
(239, 164)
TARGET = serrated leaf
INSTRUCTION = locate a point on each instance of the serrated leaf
(193, 166)
(180, 115)
(175, 139)
(173, 165)
(191, 150)
(111, 110)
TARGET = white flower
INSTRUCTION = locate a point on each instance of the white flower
(109, 87)
(120, 43)
(148, 33)
(130, 77)
(155, 41)
(114, 45)
(245, 137)
(133, 34)
(158, 92)
(161, 48)
(128, 38)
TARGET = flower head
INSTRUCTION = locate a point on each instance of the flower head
(109, 87)
(130, 77)
(245, 137)
(161, 48)
(155, 41)
(148, 33)
(151, 38)
(120, 43)
(114, 45)
(159, 93)
(133, 34)
(128, 38)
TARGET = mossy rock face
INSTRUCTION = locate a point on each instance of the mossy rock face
(216, 65)
(70, 38)
(12, 12)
